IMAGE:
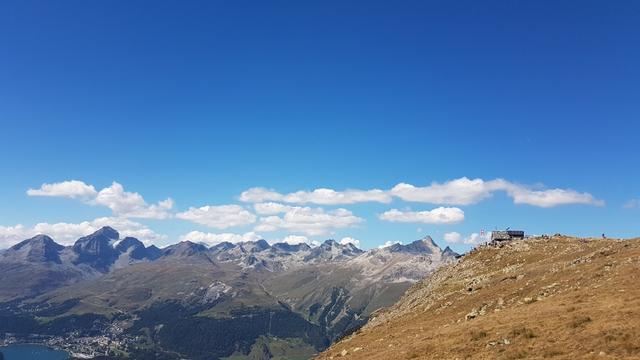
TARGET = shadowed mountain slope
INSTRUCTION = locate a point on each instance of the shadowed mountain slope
(39, 248)
(96, 249)
(35, 266)
(39, 265)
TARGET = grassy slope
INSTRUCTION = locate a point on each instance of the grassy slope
(30, 279)
(314, 285)
(561, 298)
(280, 349)
(138, 286)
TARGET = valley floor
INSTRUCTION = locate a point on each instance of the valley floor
(556, 298)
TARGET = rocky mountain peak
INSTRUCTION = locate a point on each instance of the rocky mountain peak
(450, 253)
(351, 247)
(137, 250)
(429, 241)
(96, 249)
(250, 247)
(184, 248)
(333, 250)
(107, 232)
(127, 243)
(153, 252)
(257, 246)
(223, 246)
(425, 245)
(286, 247)
(40, 248)
(38, 239)
(329, 243)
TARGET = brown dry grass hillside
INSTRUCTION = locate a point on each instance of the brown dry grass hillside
(557, 298)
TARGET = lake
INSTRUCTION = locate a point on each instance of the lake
(32, 352)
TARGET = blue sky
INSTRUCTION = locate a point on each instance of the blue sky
(200, 102)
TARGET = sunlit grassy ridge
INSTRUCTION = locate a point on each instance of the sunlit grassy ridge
(562, 297)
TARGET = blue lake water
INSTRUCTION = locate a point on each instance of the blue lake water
(32, 352)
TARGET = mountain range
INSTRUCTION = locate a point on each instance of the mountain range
(240, 300)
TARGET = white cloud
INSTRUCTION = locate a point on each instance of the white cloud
(462, 191)
(259, 194)
(441, 215)
(219, 217)
(321, 196)
(70, 189)
(632, 204)
(465, 191)
(452, 237)
(476, 238)
(309, 221)
(68, 233)
(350, 240)
(331, 197)
(131, 204)
(11, 235)
(271, 208)
(295, 240)
(213, 239)
(549, 198)
(121, 202)
(389, 243)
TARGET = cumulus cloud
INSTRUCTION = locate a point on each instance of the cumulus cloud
(350, 240)
(271, 208)
(331, 197)
(68, 233)
(476, 238)
(441, 215)
(461, 191)
(260, 194)
(70, 189)
(465, 191)
(309, 221)
(389, 243)
(131, 204)
(121, 202)
(322, 196)
(295, 240)
(452, 237)
(11, 235)
(549, 198)
(219, 217)
(213, 239)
